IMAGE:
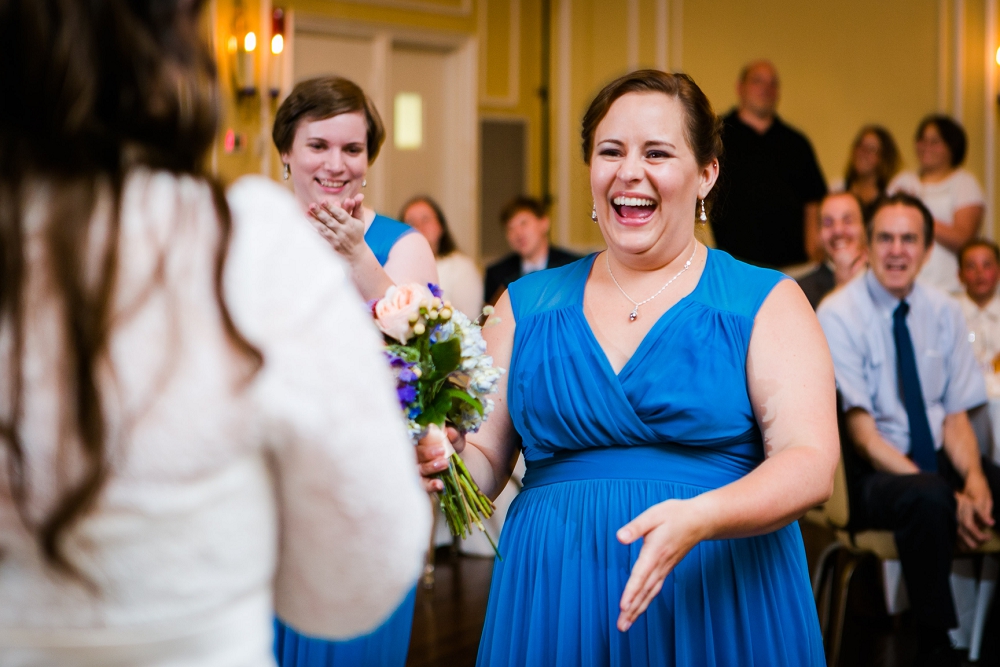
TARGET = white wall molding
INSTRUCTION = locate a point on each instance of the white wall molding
(513, 96)
(632, 35)
(958, 100)
(464, 8)
(662, 35)
(564, 126)
(942, 87)
(990, 114)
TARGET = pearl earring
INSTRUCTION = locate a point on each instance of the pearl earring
(703, 217)
(286, 172)
(364, 182)
(593, 212)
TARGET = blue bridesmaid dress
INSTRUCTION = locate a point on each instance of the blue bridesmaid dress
(600, 449)
(387, 645)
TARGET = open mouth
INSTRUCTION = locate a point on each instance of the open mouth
(633, 209)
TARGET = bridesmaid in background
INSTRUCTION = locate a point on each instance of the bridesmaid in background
(328, 133)
(676, 411)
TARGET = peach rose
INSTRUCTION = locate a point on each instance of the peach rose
(396, 312)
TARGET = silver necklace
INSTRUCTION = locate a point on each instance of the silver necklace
(635, 311)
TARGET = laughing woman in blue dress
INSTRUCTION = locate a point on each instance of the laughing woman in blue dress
(328, 133)
(676, 411)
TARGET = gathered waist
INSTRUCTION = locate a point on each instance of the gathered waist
(693, 466)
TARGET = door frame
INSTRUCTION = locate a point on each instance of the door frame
(461, 151)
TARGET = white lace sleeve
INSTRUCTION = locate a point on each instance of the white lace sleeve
(354, 519)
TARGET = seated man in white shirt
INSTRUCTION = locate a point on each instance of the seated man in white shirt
(979, 271)
(907, 376)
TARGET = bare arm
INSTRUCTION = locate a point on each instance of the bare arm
(791, 386)
(410, 260)
(965, 227)
(975, 503)
(872, 446)
(810, 219)
(491, 453)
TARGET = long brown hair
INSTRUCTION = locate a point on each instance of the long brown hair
(888, 159)
(91, 90)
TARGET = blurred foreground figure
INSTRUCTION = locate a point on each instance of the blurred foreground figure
(192, 400)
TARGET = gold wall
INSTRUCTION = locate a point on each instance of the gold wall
(842, 64)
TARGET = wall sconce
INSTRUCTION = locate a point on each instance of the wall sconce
(242, 47)
(276, 67)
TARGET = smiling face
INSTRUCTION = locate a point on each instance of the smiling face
(866, 155)
(841, 228)
(644, 177)
(932, 152)
(422, 218)
(898, 250)
(527, 234)
(979, 273)
(328, 159)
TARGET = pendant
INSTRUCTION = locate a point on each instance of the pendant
(634, 314)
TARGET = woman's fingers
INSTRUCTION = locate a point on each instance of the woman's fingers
(639, 526)
(456, 438)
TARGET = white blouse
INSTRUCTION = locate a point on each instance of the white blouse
(296, 492)
(461, 283)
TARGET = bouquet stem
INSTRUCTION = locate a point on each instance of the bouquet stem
(462, 501)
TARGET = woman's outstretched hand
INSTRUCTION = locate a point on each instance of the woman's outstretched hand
(432, 454)
(342, 226)
(668, 530)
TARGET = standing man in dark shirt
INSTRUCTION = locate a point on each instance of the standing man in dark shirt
(767, 209)
(526, 223)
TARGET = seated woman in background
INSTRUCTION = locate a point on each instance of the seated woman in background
(459, 277)
(951, 193)
(874, 161)
(179, 439)
(328, 133)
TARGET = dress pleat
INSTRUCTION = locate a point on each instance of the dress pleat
(603, 447)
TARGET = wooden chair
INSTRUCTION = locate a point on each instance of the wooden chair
(831, 583)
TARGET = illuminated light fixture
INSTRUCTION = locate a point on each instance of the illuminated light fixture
(408, 121)
(998, 56)
(276, 67)
(242, 45)
(233, 44)
(250, 41)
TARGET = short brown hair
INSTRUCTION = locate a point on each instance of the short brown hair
(979, 243)
(523, 203)
(903, 199)
(703, 129)
(326, 97)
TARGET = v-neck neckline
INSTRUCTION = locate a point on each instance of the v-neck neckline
(660, 323)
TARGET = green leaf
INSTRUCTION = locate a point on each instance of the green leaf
(462, 395)
(447, 355)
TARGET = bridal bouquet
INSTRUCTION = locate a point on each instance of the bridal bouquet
(443, 376)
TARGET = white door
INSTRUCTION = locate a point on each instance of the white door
(438, 71)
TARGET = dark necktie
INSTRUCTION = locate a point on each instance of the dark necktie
(921, 440)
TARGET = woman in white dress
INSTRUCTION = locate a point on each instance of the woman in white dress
(459, 277)
(951, 193)
(185, 378)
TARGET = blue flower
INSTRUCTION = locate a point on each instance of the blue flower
(435, 290)
(406, 394)
(407, 374)
(414, 412)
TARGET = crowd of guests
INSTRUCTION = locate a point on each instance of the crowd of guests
(202, 445)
